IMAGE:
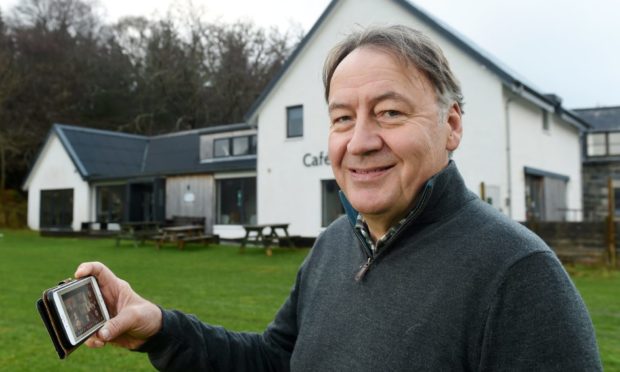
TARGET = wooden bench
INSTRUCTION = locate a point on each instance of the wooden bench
(256, 234)
(138, 232)
(180, 235)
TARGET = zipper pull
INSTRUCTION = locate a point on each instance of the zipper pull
(363, 270)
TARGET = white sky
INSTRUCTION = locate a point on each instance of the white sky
(567, 47)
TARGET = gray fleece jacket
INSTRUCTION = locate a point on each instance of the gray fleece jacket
(459, 287)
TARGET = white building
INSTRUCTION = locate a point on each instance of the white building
(523, 145)
(86, 176)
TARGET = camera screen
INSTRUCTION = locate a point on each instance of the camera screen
(82, 309)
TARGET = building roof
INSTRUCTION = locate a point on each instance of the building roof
(601, 118)
(107, 155)
(549, 102)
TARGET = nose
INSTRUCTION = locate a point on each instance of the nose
(366, 137)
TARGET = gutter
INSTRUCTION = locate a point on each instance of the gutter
(508, 157)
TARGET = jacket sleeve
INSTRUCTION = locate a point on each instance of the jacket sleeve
(538, 321)
(186, 344)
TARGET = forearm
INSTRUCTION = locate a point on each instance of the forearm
(185, 343)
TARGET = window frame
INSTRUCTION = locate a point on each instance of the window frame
(604, 147)
(252, 146)
(289, 110)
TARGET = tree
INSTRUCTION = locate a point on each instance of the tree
(59, 63)
(240, 59)
(9, 81)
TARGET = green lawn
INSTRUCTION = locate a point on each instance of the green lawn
(238, 291)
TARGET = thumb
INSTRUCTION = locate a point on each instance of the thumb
(116, 326)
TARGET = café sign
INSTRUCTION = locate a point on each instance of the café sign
(316, 160)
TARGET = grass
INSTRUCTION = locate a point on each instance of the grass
(600, 289)
(240, 292)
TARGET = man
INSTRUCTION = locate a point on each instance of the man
(420, 274)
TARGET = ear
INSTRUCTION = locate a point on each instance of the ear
(455, 127)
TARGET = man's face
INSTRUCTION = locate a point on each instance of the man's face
(386, 139)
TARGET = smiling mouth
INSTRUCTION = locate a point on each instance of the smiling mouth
(370, 171)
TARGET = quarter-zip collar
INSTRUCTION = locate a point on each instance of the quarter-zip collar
(441, 196)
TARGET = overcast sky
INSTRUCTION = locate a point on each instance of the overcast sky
(567, 47)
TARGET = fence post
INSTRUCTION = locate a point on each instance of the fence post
(611, 223)
(483, 192)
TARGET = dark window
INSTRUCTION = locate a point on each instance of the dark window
(545, 120)
(295, 121)
(56, 209)
(330, 202)
(253, 143)
(110, 203)
(221, 147)
(545, 198)
(236, 201)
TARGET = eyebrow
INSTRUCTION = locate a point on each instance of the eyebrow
(391, 95)
(335, 105)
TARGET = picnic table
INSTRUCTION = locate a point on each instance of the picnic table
(138, 231)
(180, 235)
(256, 234)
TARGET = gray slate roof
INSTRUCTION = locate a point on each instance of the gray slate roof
(107, 155)
(601, 118)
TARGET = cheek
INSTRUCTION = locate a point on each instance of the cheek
(337, 145)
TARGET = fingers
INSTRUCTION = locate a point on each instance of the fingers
(117, 325)
(94, 342)
(99, 270)
(89, 268)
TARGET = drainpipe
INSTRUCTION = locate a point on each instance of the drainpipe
(508, 158)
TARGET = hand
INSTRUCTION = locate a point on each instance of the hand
(133, 319)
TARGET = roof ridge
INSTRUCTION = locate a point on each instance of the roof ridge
(597, 108)
(205, 130)
(99, 131)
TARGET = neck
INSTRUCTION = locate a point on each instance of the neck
(378, 226)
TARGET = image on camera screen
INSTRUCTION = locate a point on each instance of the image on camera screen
(82, 309)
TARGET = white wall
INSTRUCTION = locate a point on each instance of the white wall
(290, 192)
(55, 170)
(556, 150)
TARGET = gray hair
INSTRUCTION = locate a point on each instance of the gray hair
(410, 46)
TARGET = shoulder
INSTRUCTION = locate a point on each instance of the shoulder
(495, 234)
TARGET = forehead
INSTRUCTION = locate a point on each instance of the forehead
(375, 69)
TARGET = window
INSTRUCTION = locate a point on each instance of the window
(110, 203)
(597, 144)
(56, 209)
(294, 121)
(236, 201)
(221, 147)
(545, 120)
(545, 195)
(330, 202)
(234, 146)
(613, 140)
(603, 144)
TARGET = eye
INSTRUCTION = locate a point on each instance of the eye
(390, 114)
(340, 120)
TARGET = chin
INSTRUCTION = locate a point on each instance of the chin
(366, 208)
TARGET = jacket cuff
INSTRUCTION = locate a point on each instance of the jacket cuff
(160, 340)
